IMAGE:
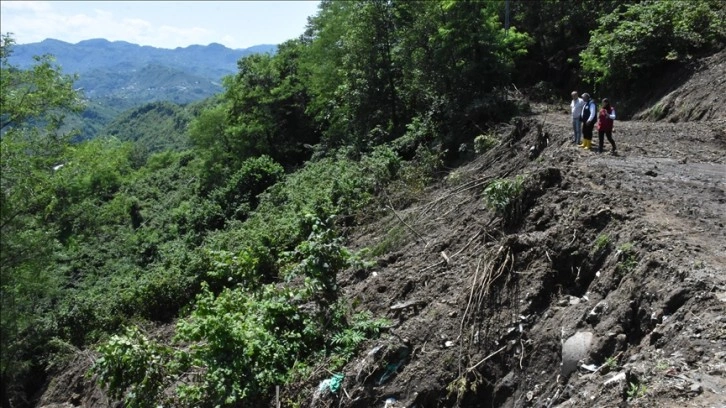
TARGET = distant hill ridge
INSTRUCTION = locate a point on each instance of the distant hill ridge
(123, 75)
(214, 60)
(116, 75)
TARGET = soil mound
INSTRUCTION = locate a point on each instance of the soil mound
(627, 251)
(700, 97)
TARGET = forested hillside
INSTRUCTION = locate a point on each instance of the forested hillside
(116, 76)
(141, 271)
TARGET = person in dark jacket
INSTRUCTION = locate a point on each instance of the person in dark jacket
(588, 121)
(606, 117)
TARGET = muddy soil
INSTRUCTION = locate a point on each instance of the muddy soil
(693, 93)
(602, 285)
(628, 249)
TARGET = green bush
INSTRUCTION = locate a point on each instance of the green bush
(627, 47)
(244, 344)
(601, 242)
(239, 195)
(319, 259)
(503, 195)
(134, 368)
(483, 143)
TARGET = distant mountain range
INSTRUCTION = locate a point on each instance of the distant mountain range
(122, 75)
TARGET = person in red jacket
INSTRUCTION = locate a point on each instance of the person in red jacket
(606, 117)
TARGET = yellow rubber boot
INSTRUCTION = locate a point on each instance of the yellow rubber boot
(586, 144)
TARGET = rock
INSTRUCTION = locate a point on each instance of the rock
(368, 365)
(594, 316)
(506, 385)
(675, 299)
(696, 388)
(449, 344)
(615, 380)
(574, 349)
(621, 341)
(390, 403)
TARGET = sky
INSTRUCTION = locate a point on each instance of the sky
(161, 24)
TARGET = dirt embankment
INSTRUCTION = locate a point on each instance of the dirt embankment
(614, 267)
(603, 286)
(700, 97)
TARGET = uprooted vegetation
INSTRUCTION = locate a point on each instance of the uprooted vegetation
(333, 239)
(578, 293)
(547, 280)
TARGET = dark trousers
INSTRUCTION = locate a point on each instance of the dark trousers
(609, 134)
(587, 130)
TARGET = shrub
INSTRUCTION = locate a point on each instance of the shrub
(134, 368)
(632, 44)
(244, 344)
(601, 242)
(503, 196)
(239, 195)
(319, 259)
(628, 259)
(483, 143)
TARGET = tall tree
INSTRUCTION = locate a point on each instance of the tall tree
(262, 112)
(34, 103)
(354, 80)
(632, 47)
(375, 65)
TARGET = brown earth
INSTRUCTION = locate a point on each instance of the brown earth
(489, 304)
(628, 250)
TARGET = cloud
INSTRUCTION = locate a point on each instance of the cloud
(27, 6)
(235, 24)
(36, 21)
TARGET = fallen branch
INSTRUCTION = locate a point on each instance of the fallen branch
(471, 296)
(485, 359)
(390, 205)
(467, 244)
(574, 235)
(446, 258)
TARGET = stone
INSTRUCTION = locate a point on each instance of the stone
(616, 379)
(574, 349)
(594, 316)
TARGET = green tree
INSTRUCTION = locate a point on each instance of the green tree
(34, 103)
(374, 66)
(353, 76)
(631, 47)
(560, 30)
(460, 53)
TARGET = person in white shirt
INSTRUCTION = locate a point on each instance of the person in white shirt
(576, 107)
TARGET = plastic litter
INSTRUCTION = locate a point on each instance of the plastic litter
(333, 384)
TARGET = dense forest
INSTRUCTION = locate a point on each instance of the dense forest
(236, 232)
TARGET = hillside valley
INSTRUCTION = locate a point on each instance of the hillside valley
(387, 211)
(117, 76)
(604, 287)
